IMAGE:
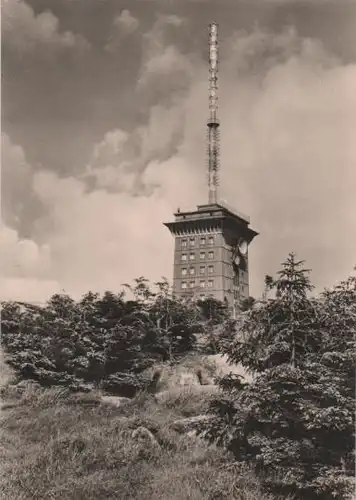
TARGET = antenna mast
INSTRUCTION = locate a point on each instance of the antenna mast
(213, 121)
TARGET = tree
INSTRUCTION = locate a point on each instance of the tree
(295, 422)
(85, 342)
(217, 324)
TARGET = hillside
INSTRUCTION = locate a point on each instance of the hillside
(172, 399)
(58, 445)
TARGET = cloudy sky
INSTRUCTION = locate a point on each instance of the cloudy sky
(103, 136)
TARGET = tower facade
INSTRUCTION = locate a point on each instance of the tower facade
(211, 253)
(211, 242)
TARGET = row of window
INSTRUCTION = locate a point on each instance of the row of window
(202, 296)
(192, 241)
(191, 270)
(202, 284)
(202, 256)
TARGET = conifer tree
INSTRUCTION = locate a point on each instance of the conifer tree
(295, 422)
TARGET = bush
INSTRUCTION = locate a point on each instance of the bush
(68, 343)
(294, 423)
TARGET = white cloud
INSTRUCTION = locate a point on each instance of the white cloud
(23, 31)
(123, 25)
(119, 159)
(99, 239)
(16, 177)
(171, 63)
(293, 123)
(24, 268)
(126, 22)
(165, 68)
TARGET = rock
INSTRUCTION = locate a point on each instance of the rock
(116, 401)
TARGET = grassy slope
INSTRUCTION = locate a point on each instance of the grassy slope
(57, 446)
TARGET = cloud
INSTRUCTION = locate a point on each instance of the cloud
(287, 159)
(293, 122)
(165, 69)
(24, 268)
(123, 25)
(126, 22)
(100, 240)
(18, 204)
(119, 160)
(25, 32)
(15, 176)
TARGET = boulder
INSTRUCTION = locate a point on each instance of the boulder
(116, 401)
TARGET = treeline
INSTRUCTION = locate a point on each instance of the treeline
(109, 340)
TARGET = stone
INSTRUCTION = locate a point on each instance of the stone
(116, 401)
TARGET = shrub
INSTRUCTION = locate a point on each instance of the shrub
(294, 424)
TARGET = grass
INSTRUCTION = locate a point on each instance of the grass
(60, 446)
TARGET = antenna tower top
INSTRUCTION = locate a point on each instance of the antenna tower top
(213, 121)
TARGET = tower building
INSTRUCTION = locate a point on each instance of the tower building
(211, 242)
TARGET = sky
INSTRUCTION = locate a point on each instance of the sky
(104, 110)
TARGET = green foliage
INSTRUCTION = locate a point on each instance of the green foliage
(295, 422)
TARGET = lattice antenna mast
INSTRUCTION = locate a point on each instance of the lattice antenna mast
(213, 121)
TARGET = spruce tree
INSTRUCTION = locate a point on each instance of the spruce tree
(295, 422)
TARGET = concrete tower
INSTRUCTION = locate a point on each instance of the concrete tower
(211, 242)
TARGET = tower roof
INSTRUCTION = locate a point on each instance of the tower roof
(207, 216)
(212, 209)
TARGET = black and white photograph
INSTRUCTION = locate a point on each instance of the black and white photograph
(178, 250)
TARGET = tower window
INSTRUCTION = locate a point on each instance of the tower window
(192, 270)
(184, 243)
(192, 256)
(211, 255)
(202, 240)
(202, 255)
(202, 269)
(210, 283)
(192, 241)
(184, 284)
(191, 284)
(184, 256)
(202, 284)
(184, 271)
(210, 269)
(211, 240)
